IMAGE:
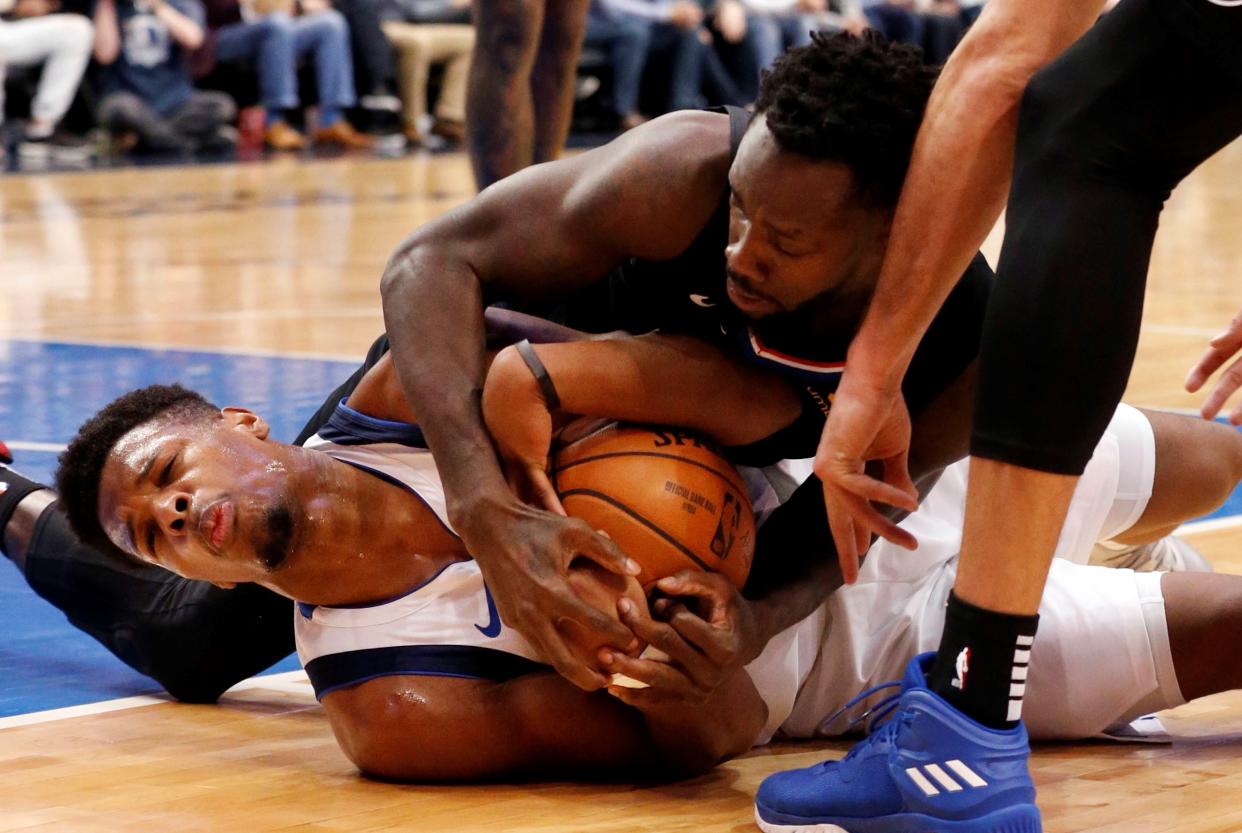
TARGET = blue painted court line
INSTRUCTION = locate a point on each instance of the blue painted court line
(46, 391)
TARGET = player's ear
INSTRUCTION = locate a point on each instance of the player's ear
(246, 420)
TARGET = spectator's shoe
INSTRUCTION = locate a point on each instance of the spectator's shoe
(342, 133)
(929, 768)
(223, 139)
(380, 102)
(280, 136)
(450, 130)
(1170, 554)
(57, 146)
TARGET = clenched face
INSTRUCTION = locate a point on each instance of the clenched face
(797, 230)
(206, 496)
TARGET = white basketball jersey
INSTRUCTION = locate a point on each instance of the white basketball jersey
(448, 626)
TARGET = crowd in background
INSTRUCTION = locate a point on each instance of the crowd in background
(173, 75)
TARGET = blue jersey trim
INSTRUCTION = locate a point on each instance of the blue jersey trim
(349, 427)
(333, 671)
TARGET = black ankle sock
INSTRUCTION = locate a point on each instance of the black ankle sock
(981, 665)
(15, 488)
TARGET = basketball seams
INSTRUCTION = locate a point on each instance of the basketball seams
(642, 519)
(738, 487)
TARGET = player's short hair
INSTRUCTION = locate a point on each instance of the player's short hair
(854, 100)
(81, 464)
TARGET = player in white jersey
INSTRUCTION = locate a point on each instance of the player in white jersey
(421, 681)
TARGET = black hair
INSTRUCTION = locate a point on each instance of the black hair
(81, 464)
(854, 100)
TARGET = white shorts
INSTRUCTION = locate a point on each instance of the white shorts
(1102, 652)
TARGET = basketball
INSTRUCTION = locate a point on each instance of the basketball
(666, 496)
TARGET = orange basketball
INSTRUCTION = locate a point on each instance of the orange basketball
(666, 496)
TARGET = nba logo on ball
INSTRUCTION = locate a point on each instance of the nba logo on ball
(666, 497)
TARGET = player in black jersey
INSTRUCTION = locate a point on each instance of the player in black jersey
(1104, 133)
(656, 203)
(765, 237)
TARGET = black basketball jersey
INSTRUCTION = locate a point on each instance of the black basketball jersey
(686, 295)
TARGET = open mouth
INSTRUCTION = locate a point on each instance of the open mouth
(217, 522)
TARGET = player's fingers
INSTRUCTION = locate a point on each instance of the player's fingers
(718, 644)
(868, 488)
(867, 518)
(711, 589)
(544, 492)
(600, 548)
(661, 676)
(1225, 386)
(897, 474)
(665, 638)
(843, 538)
(552, 648)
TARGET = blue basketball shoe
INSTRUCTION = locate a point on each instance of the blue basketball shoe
(929, 769)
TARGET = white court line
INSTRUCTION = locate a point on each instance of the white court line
(224, 351)
(283, 682)
(22, 445)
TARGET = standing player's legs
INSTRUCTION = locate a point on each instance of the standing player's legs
(1105, 133)
(552, 78)
(500, 110)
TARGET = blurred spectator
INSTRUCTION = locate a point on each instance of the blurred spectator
(147, 92)
(266, 35)
(33, 34)
(427, 32)
(520, 95)
(631, 30)
(775, 25)
(374, 68)
(934, 25)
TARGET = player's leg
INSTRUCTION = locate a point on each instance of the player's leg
(1105, 133)
(552, 77)
(500, 120)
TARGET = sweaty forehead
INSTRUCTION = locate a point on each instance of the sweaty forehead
(764, 175)
(134, 448)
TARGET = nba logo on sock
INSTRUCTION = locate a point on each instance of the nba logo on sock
(962, 668)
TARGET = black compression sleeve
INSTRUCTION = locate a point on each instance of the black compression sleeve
(192, 637)
(1105, 133)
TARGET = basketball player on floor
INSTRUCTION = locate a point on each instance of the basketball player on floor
(421, 684)
(1104, 134)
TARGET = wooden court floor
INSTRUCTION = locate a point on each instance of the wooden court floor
(285, 257)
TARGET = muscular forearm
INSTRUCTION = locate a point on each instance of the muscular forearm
(434, 316)
(959, 173)
(779, 602)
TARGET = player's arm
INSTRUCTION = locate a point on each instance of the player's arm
(538, 234)
(416, 728)
(959, 172)
(673, 380)
(954, 191)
